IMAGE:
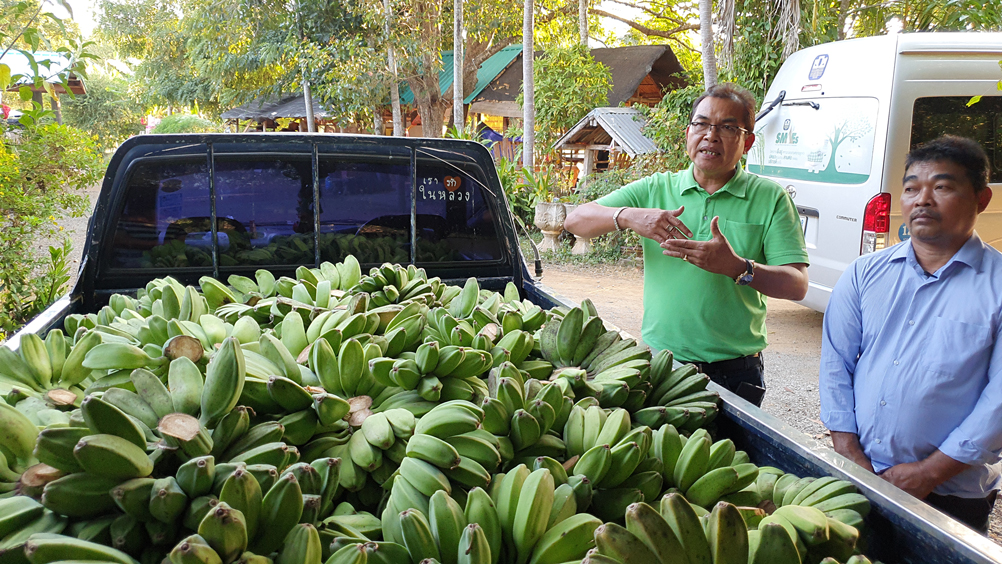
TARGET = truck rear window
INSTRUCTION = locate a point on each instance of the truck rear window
(266, 212)
(166, 217)
(981, 121)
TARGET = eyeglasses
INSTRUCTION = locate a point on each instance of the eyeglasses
(724, 130)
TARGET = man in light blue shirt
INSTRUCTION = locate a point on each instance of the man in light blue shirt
(911, 379)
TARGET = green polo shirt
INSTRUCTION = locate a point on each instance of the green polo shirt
(697, 315)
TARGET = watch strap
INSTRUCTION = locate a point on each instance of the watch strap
(748, 275)
(615, 218)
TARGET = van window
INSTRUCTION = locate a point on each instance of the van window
(830, 141)
(265, 208)
(365, 210)
(981, 121)
(454, 220)
(165, 216)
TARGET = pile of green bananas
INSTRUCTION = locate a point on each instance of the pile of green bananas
(681, 532)
(246, 422)
(175, 254)
(526, 517)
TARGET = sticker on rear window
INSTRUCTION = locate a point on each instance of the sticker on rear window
(818, 67)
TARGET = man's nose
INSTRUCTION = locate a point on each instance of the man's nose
(925, 197)
(712, 133)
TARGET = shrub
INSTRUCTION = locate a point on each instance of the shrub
(185, 123)
(41, 176)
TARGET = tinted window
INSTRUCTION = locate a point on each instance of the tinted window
(981, 121)
(365, 210)
(454, 220)
(165, 218)
(269, 204)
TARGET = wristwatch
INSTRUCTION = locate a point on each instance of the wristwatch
(746, 277)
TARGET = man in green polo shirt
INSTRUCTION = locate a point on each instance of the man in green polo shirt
(717, 240)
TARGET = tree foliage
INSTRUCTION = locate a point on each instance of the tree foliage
(26, 27)
(108, 111)
(569, 84)
(41, 177)
(151, 31)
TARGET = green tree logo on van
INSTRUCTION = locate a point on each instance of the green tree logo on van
(847, 131)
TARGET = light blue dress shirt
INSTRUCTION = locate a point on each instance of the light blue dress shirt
(909, 362)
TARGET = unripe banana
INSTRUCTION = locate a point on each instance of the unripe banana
(301, 546)
(242, 492)
(417, 536)
(433, 450)
(80, 495)
(224, 381)
(616, 542)
(113, 457)
(194, 550)
(447, 522)
(46, 548)
(225, 530)
(281, 509)
(567, 541)
(533, 512)
(185, 383)
(473, 546)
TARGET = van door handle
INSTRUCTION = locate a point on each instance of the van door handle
(809, 212)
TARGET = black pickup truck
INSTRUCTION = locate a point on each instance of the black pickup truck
(194, 205)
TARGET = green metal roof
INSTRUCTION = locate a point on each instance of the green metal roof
(489, 70)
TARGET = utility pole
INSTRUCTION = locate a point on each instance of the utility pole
(528, 88)
(457, 66)
(583, 21)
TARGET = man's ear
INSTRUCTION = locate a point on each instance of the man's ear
(984, 198)
(749, 141)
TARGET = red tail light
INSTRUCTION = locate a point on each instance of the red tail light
(877, 217)
(876, 224)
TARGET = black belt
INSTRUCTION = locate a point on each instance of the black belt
(730, 365)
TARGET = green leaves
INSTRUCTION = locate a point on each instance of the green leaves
(569, 84)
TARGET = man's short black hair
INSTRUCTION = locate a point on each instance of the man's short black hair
(962, 151)
(734, 93)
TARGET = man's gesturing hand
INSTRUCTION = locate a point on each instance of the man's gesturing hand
(715, 255)
(655, 224)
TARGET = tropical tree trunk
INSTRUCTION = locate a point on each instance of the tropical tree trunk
(311, 124)
(425, 83)
(842, 12)
(706, 41)
(528, 88)
(398, 120)
(457, 66)
(583, 21)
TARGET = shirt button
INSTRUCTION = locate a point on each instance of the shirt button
(882, 402)
(911, 322)
(877, 441)
(705, 217)
(895, 363)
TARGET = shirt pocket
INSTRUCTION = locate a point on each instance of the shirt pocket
(955, 347)
(745, 238)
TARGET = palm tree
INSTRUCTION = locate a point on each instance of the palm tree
(706, 41)
(528, 88)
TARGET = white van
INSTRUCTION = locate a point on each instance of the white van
(847, 114)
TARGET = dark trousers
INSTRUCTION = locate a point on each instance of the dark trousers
(973, 512)
(744, 376)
